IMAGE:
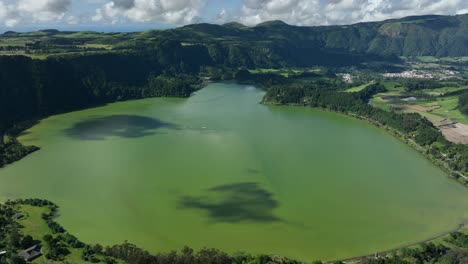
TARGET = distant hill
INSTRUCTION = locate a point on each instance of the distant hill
(429, 35)
(277, 44)
(73, 70)
(283, 44)
(234, 25)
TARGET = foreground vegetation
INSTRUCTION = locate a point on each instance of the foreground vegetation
(37, 226)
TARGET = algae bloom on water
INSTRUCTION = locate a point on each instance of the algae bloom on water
(221, 170)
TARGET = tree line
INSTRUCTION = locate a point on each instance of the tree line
(58, 243)
(31, 89)
(411, 125)
(463, 102)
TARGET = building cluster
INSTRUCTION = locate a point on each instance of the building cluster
(413, 74)
(348, 78)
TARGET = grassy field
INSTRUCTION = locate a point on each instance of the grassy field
(448, 104)
(380, 103)
(284, 72)
(83, 44)
(444, 90)
(33, 225)
(448, 109)
(393, 89)
(96, 46)
(358, 88)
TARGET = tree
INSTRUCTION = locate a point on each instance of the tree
(14, 237)
(27, 241)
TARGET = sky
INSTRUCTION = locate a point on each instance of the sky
(135, 15)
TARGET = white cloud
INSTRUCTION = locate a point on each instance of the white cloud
(462, 11)
(44, 10)
(72, 20)
(169, 11)
(11, 22)
(250, 12)
(3, 11)
(326, 12)
(224, 16)
(12, 13)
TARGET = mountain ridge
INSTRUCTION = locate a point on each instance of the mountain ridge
(277, 44)
(429, 35)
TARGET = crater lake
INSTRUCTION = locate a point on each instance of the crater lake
(221, 170)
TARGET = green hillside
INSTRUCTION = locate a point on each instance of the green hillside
(282, 44)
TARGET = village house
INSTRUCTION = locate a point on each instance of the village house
(31, 253)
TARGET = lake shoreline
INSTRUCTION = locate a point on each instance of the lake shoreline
(125, 107)
(451, 174)
(386, 253)
(55, 215)
(396, 134)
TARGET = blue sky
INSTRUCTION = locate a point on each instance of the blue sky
(134, 15)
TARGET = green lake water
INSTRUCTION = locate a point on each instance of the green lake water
(221, 170)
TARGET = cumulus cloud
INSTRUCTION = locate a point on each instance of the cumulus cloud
(169, 11)
(44, 10)
(326, 12)
(224, 16)
(12, 13)
(3, 11)
(250, 12)
(7, 15)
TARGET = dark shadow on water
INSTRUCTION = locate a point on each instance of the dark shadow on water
(124, 126)
(235, 203)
